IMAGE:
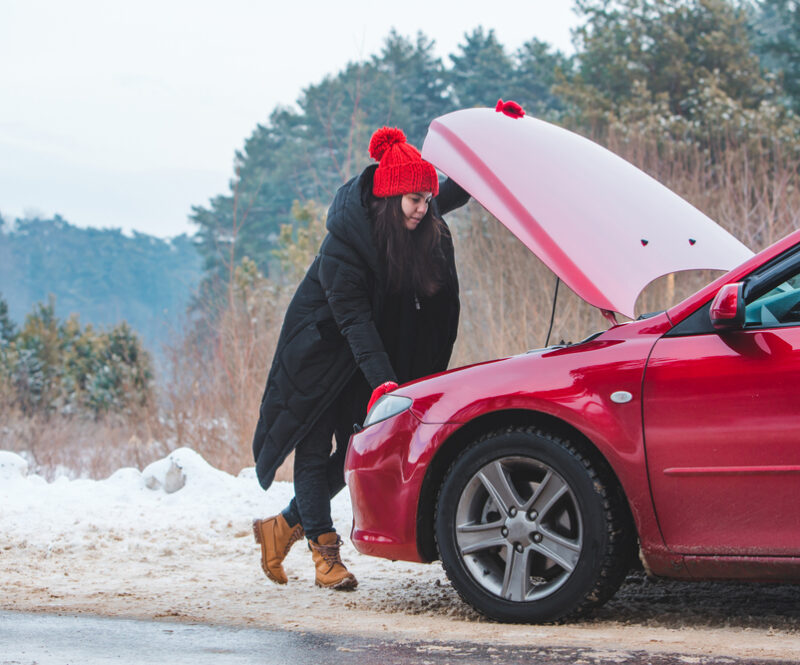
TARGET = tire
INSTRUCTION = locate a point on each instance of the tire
(531, 529)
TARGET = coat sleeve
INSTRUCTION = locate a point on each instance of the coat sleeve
(346, 290)
(450, 197)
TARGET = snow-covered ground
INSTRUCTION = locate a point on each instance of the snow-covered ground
(177, 510)
(174, 542)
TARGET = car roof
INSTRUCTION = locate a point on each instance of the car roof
(606, 228)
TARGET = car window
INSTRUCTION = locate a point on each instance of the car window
(778, 306)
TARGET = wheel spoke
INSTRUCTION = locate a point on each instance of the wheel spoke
(550, 490)
(564, 551)
(475, 537)
(516, 579)
(494, 479)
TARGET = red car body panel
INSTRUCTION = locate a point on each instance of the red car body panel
(720, 416)
(749, 568)
(386, 477)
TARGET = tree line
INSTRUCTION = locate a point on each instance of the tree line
(52, 366)
(103, 274)
(703, 73)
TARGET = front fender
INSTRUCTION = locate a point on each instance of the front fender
(568, 388)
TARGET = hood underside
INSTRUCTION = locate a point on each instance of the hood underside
(603, 226)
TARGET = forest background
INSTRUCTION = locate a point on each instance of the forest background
(116, 349)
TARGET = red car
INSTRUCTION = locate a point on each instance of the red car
(537, 479)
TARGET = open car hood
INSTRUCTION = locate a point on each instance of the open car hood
(603, 226)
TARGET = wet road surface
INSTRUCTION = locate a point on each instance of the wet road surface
(46, 639)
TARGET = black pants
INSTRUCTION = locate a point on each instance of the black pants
(318, 474)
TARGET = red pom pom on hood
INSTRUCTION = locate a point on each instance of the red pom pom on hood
(509, 108)
(383, 139)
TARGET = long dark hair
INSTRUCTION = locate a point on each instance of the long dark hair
(411, 258)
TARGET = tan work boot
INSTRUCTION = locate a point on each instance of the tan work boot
(276, 538)
(331, 572)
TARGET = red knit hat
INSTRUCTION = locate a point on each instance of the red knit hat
(402, 169)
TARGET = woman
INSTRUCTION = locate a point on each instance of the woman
(378, 306)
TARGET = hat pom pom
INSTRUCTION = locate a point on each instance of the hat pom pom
(383, 139)
(509, 108)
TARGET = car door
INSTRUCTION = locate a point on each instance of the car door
(721, 414)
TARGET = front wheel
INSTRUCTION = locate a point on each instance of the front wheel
(530, 529)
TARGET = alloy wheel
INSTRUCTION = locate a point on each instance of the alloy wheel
(518, 529)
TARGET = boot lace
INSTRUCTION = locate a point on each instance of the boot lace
(297, 534)
(330, 553)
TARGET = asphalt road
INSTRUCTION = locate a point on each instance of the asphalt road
(46, 639)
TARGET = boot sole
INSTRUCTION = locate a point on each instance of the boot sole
(257, 536)
(347, 584)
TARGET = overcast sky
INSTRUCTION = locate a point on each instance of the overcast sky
(126, 114)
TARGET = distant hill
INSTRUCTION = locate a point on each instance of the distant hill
(101, 275)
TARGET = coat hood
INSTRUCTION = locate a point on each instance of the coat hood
(603, 226)
(348, 219)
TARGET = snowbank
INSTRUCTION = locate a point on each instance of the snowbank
(180, 494)
(12, 466)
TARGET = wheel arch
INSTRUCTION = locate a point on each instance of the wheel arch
(463, 436)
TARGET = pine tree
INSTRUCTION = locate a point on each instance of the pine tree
(8, 330)
(777, 41)
(669, 49)
(61, 366)
(305, 154)
(410, 86)
(538, 68)
(482, 71)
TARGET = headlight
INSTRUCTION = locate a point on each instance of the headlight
(386, 407)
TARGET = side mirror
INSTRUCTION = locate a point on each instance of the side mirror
(727, 308)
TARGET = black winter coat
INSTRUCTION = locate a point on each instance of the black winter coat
(329, 331)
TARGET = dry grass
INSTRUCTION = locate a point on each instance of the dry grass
(211, 395)
(213, 392)
(507, 294)
(751, 190)
(78, 447)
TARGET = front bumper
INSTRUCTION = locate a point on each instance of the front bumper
(384, 470)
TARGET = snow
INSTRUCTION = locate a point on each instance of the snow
(12, 466)
(177, 492)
